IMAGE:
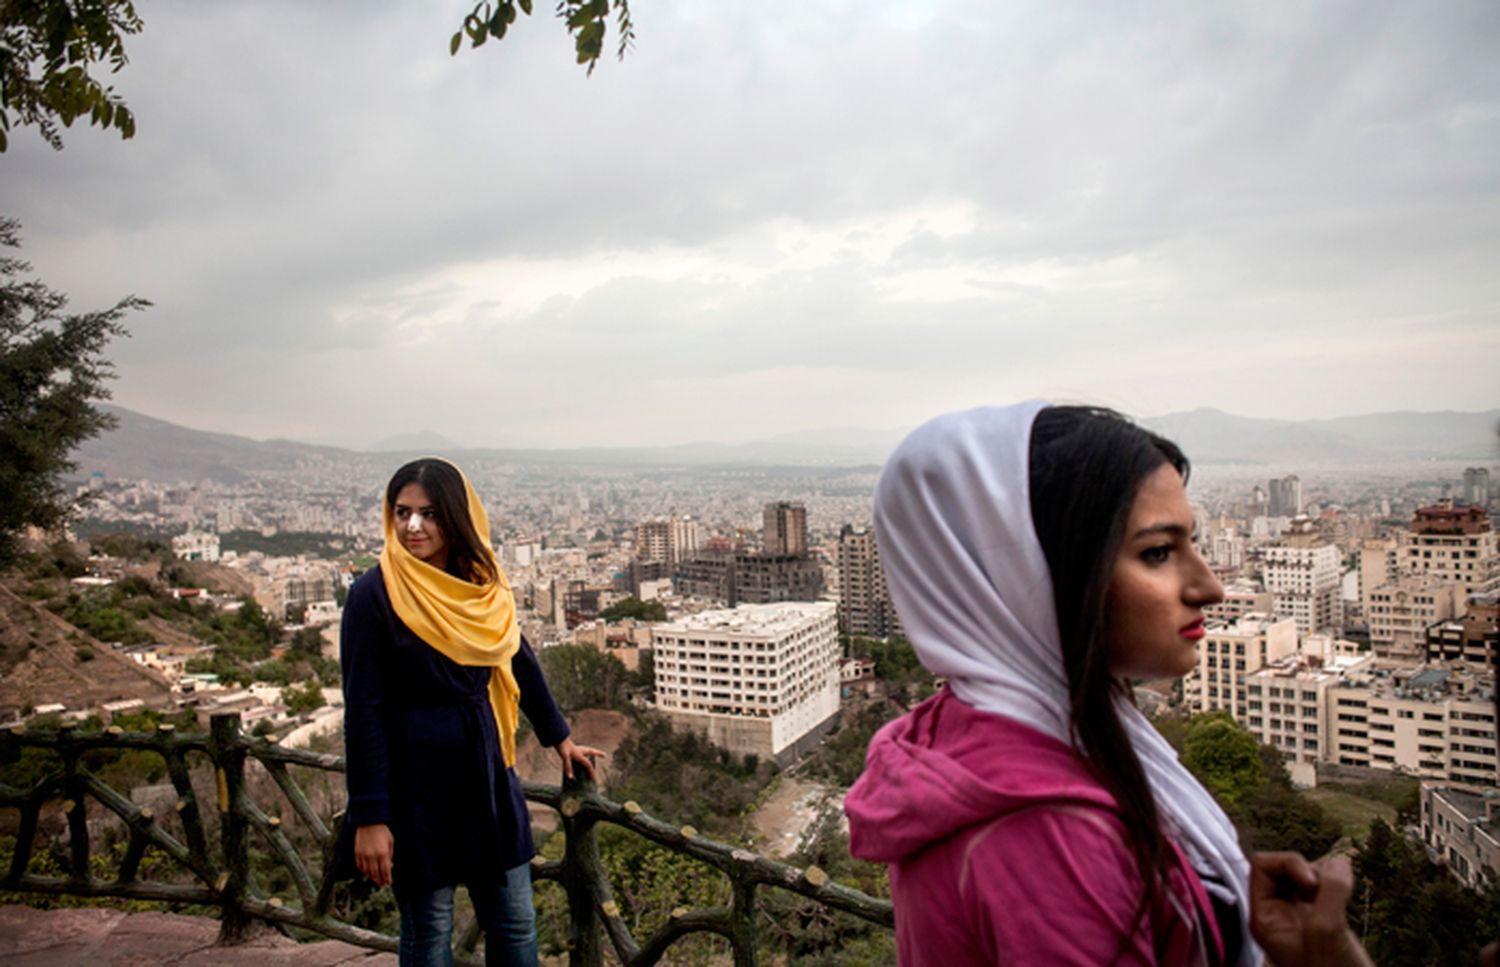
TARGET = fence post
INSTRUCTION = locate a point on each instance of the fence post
(580, 868)
(227, 750)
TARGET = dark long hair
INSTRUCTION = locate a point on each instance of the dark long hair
(1087, 465)
(468, 558)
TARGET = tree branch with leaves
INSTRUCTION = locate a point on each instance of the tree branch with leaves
(47, 50)
(587, 22)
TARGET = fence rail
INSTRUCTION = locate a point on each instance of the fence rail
(224, 876)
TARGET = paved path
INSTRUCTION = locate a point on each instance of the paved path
(93, 937)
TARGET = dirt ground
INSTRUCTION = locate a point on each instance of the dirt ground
(791, 810)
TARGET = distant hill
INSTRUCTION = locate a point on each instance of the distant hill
(1213, 436)
(423, 441)
(142, 447)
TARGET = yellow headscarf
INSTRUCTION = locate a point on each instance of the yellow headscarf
(469, 623)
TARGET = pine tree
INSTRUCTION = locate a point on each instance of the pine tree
(52, 371)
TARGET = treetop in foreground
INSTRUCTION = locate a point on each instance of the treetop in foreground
(52, 371)
(47, 49)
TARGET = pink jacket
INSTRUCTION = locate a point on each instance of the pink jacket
(1004, 849)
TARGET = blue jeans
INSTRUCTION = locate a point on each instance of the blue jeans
(505, 913)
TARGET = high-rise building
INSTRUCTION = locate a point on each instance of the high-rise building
(1284, 497)
(1230, 653)
(865, 606)
(1453, 544)
(653, 540)
(1477, 486)
(1379, 565)
(1302, 572)
(740, 578)
(1401, 612)
(785, 528)
(666, 539)
(757, 679)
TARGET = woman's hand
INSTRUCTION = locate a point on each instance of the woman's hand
(581, 755)
(1297, 910)
(374, 848)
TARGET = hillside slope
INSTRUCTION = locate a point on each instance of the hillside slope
(40, 662)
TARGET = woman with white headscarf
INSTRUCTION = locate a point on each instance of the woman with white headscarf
(1040, 557)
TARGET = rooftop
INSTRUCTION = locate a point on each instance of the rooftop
(754, 619)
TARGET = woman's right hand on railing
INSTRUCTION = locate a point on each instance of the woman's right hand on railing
(373, 849)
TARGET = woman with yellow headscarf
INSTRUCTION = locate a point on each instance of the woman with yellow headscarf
(436, 674)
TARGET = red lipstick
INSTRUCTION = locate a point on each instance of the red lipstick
(1193, 631)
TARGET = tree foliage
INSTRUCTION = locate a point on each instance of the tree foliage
(1224, 757)
(587, 22)
(52, 370)
(302, 698)
(680, 774)
(1251, 783)
(48, 49)
(635, 609)
(582, 677)
(1411, 911)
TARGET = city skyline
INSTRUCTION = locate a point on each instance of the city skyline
(755, 226)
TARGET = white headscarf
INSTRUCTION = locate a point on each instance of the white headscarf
(970, 581)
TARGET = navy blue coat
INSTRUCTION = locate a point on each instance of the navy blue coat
(423, 751)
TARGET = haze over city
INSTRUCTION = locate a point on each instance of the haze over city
(764, 222)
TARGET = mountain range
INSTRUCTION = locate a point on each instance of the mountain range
(143, 447)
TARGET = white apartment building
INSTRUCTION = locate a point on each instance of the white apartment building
(196, 546)
(1461, 828)
(1239, 600)
(1379, 565)
(1302, 572)
(1431, 721)
(1287, 702)
(1400, 613)
(1230, 653)
(1225, 548)
(761, 679)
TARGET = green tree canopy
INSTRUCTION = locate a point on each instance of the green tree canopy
(635, 608)
(1223, 756)
(583, 677)
(52, 370)
(302, 698)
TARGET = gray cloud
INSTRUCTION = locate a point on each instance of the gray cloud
(840, 213)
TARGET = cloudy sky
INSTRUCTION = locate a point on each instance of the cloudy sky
(775, 218)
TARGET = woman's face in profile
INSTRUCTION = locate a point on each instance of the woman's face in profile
(1160, 584)
(417, 528)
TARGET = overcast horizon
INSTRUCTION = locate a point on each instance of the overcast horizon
(766, 222)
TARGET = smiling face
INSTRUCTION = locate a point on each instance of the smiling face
(1160, 584)
(417, 527)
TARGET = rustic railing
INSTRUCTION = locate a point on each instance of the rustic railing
(224, 877)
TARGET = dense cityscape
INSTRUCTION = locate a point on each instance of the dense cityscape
(1358, 627)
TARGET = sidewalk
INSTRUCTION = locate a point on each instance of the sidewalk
(109, 938)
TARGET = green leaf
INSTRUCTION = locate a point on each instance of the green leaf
(453, 45)
(526, 7)
(510, 13)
